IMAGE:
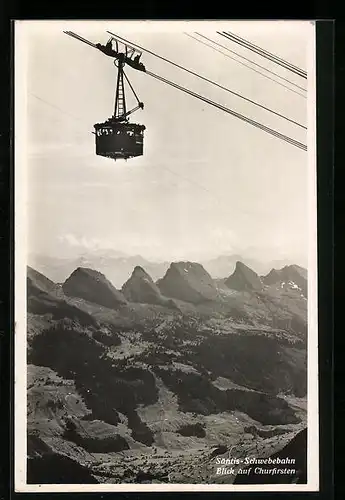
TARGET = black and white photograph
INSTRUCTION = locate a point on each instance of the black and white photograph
(165, 256)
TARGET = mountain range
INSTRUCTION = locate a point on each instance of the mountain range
(145, 381)
(118, 267)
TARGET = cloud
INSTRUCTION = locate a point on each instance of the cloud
(223, 237)
(83, 242)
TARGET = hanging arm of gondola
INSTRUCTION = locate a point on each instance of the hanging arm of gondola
(139, 106)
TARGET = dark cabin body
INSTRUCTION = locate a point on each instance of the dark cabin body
(119, 140)
(116, 138)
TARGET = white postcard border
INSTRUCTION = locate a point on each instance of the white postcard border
(20, 177)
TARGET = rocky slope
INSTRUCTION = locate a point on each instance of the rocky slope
(93, 286)
(141, 288)
(122, 387)
(295, 450)
(243, 279)
(52, 468)
(47, 302)
(293, 277)
(37, 283)
(189, 282)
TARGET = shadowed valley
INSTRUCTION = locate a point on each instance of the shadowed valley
(142, 383)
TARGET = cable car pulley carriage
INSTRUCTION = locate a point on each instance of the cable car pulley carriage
(117, 138)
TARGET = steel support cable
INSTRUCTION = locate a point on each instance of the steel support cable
(237, 115)
(208, 101)
(231, 112)
(216, 84)
(269, 54)
(61, 110)
(80, 38)
(263, 53)
(249, 60)
(57, 108)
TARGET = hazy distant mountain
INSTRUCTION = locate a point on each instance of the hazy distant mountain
(118, 269)
(224, 265)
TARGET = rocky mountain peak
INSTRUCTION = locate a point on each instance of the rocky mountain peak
(141, 288)
(139, 272)
(93, 286)
(188, 281)
(244, 279)
(290, 277)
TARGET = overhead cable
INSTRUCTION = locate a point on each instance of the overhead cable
(250, 61)
(231, 112)
(213, 83)
(264, 53)
(80, 38)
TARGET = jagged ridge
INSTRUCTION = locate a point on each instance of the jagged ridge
(290, 276)
(141, 288)
(243, 279)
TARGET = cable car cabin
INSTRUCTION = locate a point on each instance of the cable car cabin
(119, 140)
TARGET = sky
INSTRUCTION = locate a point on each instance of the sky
(208, 184)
